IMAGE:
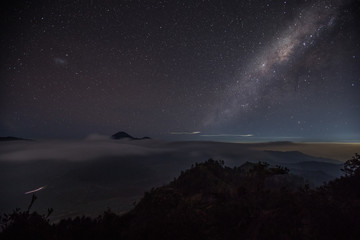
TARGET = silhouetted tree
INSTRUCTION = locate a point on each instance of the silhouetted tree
(352, 166)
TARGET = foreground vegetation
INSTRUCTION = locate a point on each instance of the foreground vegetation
(212, 201)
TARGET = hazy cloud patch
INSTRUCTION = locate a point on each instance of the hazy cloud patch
(60, 61)
(227, 135)
(93, 147)
(185, 133)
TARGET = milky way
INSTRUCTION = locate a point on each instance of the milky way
(296, 39)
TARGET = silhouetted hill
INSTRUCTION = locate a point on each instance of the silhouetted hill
(315, 169)
(213, 201)
(124, 135)
(13, 139)
(296, 156)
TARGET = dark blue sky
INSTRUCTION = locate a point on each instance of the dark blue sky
(204, 70)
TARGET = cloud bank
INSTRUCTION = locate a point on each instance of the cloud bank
(93, 147)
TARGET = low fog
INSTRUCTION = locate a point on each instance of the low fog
(88, 176)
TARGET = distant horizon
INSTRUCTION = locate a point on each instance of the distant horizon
(203, 137)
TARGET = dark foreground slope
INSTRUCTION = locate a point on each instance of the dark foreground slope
(212, 201)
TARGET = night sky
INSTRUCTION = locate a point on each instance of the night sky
(202, 70)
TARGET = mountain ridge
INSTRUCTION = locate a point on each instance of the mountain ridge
(124, 135)
(11, 138)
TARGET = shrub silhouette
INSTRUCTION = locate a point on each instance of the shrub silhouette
(32, 225)
(352, 166)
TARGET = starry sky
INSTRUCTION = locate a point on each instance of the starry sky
(170, 69)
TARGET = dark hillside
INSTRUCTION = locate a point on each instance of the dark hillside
(212, 201)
